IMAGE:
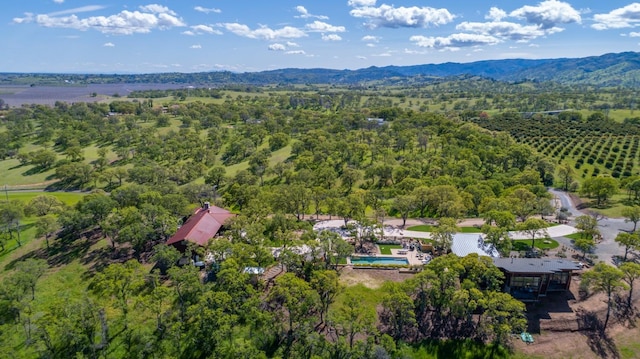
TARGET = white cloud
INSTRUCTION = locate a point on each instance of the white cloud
(157, 9)
(361, 57)
(58, 1)
(331, 37)
(360, 3)
(371, 45)
(304, 14)
(264, 33)
(77, 10)
(634, 34)
(548, 14)
(292, 44)
(496, 14)
(454, 41)
(189, 33)
(28, 17)
(277, 47)
(296, 52)
(319, 26)
(542, 21)
(197, 46)
(627, 16)
(395, 17)
(414, 52)
(370, 38)
(109, 44)
(207, 10)
(123, 23)
(506, 30)
(202, 29)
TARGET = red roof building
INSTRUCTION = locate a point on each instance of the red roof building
(203, 225)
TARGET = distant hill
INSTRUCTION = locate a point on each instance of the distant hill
(619, 69)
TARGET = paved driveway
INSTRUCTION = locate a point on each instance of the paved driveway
(609, 229)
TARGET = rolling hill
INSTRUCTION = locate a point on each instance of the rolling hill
(614, 69)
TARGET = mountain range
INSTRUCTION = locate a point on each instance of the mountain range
(608, 70)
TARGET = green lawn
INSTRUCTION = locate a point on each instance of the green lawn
(421, 228)
(429, 228)
(386, 248)
(574, 236)
(525, 244)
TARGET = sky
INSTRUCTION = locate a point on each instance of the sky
(123, 36)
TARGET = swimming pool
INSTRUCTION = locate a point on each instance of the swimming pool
(367, 260)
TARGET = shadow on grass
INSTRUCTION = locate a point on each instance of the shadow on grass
(99, 258)
(461, 349)
(17, 166)
(63, 251)
(35, 170)
(60, 252)
(592, 327)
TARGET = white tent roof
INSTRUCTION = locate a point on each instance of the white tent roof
(467, 243)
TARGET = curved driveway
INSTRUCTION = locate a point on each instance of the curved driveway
(609, 228)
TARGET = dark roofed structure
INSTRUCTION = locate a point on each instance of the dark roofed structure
(529, 279)
(203, 225)
(535, 265)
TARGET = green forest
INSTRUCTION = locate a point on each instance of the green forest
(94, 190)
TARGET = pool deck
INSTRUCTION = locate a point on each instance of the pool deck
(411, 256)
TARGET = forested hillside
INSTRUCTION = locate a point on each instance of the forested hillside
(608, 70)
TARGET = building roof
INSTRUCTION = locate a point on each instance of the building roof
(535, 265)
(203, 225)
(467, 243)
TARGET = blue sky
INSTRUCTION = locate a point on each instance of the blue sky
(117, 36)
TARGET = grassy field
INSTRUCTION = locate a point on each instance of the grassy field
(614, 206)
(276, 156)
(13, 174)
(27, 225)
(68, 198)
(27, 234)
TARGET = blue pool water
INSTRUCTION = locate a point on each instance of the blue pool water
(378, 260)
